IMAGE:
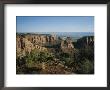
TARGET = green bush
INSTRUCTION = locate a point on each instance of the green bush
(85, 67)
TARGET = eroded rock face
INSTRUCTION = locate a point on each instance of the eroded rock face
(20, 46)
(89, 40)
(25, 44)
(67, 45)
(85, 42)
(41, 39)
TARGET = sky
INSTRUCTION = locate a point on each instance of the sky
(55, 23)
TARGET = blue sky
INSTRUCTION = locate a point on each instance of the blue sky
(55, 23)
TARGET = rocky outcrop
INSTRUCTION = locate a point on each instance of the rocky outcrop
(67, 45)
(25, 44)
(41, 39)
(87, 41)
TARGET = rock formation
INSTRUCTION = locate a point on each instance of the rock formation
(67, 45)
(27, 43)
(85, 42)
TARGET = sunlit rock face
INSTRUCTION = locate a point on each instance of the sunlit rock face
(67, 45)
(25, 44)
(20, 46)
(89, 40)
(41, 39)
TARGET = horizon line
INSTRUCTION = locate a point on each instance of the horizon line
(47, 32)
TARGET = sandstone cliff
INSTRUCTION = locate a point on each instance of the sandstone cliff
(67, 45)
(27, 43)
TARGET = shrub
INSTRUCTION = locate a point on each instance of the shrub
(86, 67)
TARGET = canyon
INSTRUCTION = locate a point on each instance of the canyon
(52, 54)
